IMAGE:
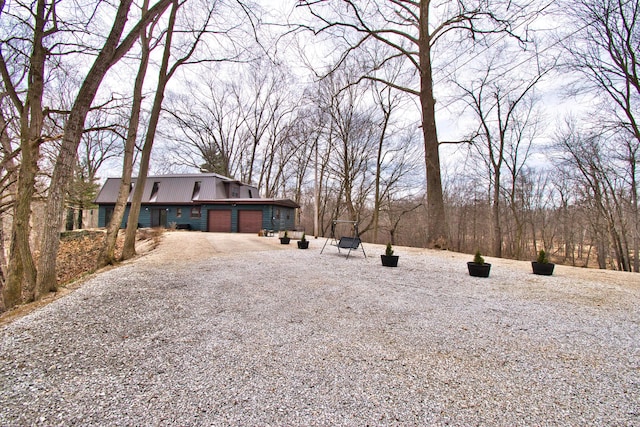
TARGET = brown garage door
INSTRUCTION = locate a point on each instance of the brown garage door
(249, 221)
(219, 221)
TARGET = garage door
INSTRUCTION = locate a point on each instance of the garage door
(249, 221)
(219, 221)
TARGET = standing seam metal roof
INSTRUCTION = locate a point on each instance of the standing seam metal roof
(178, 189)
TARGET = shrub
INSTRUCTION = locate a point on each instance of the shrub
(478, 258)
(542, 257)
(389, 250)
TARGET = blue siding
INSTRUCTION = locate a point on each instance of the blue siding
(278, 218)
(273, 217)
(101, 212)
(144, 219)
(185, 218)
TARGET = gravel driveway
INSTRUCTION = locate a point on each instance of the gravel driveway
(221, 329)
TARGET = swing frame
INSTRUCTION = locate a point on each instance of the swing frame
(345, 242)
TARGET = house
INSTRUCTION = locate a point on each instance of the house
(205, 202)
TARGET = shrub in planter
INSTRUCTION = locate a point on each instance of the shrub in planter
(303, 243)
(389, 259)
(542, 265)
(477, 267)
(285, 238)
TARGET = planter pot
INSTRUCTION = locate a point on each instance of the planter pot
(544, 269)
(479, 270)
(303, 245)
(390, 260)
(285, 240)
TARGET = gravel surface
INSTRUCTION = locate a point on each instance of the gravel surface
(221, 329)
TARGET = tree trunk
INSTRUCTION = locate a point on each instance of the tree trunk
(377, 198)
(21, 218)
(495, 211)
(129, 249)
(62, 175)
(3, 269)
(110, 53)
(376, 205)
(437, 231)
(107, 252)
(12, 290)
(635, 215)
(31, 121)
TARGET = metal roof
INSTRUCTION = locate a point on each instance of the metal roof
(181, 189)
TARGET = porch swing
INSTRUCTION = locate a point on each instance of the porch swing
(349, 243)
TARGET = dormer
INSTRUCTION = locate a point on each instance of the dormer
(232, 189)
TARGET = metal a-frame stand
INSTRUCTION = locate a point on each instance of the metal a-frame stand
(345, 242)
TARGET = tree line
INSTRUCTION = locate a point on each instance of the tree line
(503, 126)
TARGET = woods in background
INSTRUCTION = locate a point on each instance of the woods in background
(507, 127)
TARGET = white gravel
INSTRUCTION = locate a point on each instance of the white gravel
(220, 329)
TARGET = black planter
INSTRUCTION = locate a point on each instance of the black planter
(544, 269)
(479, 270)
(285, 240)
(303, 244)
(390, 260)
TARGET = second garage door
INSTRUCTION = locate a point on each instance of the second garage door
(249, 221)
(219, 221)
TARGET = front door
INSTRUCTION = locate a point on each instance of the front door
(159, 218)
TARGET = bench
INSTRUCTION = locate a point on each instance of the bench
(349, 242)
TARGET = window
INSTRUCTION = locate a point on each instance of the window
(196, 190)
(250, 194)
(195, 212)
(235, 191)
(154, 192)
(178, 212)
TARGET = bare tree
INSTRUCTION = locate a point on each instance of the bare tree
(107, 251)
(503, 106)
(388, 102)
(266, 98)
(8, 179)
(112, 50)
(412, 29)
(354, 140)
(164, 75)
(207, 129)
(31, 113)
(23, 62)
(600, 188)
(100, 143)
(192, 46)
(236, 124)
(604, 50)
